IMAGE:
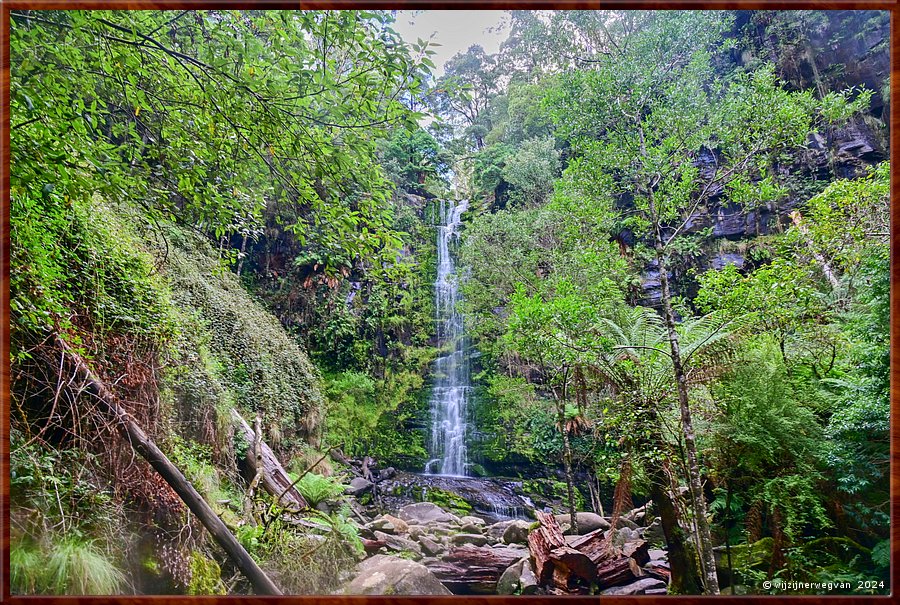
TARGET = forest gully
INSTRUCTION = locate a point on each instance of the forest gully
(334, 303)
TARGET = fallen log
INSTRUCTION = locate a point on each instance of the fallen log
(568, 564)
(541, 542)
(274, 478)
(623, 570)
(639, 550)
(143, 445)
(595, 545)
(474, 569)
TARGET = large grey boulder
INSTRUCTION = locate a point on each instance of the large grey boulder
(430, 546)
(518, 577)
(425, 512)
(587, 522)
(642, 586)
(358, 486)
(474, 539)
(516, 532)
(496, 530)
(385, 575)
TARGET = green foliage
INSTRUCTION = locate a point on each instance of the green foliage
(260, 364)
(316, 489)
(77, 260)
(160, 95)
(411, 157)
(532, 169)
(75, 566)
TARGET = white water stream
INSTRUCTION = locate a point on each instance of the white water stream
(450, 394)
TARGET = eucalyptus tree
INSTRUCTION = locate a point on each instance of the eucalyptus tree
(463, 94)
(655, 125)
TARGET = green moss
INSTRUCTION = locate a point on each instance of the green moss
(752, 556)
(446, 500)
(236, 352)
(206, 576)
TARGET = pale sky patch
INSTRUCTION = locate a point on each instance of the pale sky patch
(455, 30)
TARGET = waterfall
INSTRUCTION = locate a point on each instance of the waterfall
(450, 393)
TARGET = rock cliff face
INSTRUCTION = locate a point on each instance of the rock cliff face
(811, 51)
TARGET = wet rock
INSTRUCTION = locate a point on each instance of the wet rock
(386, 575)
(425, 512)
(496, 530)
(642, 586)
(399, 543)
(386, 473)
(516, 532)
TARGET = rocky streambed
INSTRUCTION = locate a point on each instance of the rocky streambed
(424, 549)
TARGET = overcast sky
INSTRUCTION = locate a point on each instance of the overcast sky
(455, 30)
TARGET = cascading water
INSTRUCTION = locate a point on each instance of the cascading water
(450, 394)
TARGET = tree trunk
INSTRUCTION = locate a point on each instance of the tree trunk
(684, 579)
(474, 569)
(698, 502)
(142, 444)
(567, 460)
(274, 478)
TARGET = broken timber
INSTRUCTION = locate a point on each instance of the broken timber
(144, 446)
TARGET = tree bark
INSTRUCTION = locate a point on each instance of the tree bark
(274, 478)
(144, 446)
(698, 502)
(684, 578)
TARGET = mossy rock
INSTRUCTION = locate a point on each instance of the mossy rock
(828, 549)
(549, 492)
(757, 555)
(446, 500)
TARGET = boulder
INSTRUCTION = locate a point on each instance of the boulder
(399, 543)
(470, 528)
(358, 486)
(382, 524)
(475, 539)
(518, 578)
(425, 512)
(386, 575)
(496, 530)
(654, 533)
(473, 520)
(430, 547)
(587, 522)
(516, 532)
(400, 526)
(386, 473)
(642, 586)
